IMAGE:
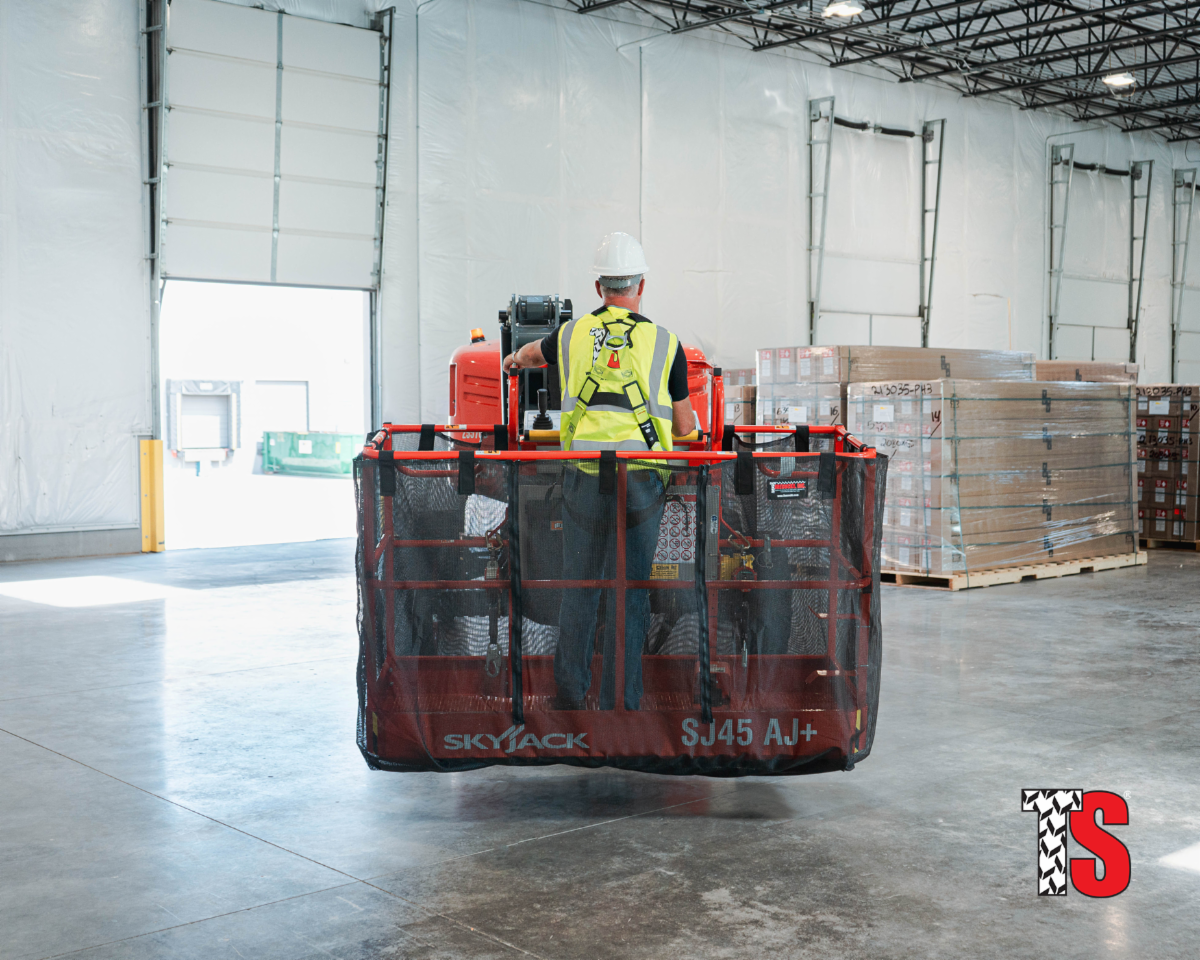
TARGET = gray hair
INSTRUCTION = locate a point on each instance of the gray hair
(619, 286)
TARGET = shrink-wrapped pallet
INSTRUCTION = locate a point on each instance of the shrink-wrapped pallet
(1093, 371)
(1168, 474)
(806, 386)
(991, 474)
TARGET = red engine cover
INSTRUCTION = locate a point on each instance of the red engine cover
(475, 383)
(475, 388)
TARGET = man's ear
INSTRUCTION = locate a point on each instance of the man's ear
(641, 286)
(598, 293)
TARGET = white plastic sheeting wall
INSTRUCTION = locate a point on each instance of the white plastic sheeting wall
(522, 132)
(74, 300)
(220, 199)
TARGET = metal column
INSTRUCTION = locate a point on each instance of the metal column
(1062, 158)
(152, 54)
(933, 136)
(384, 23)
(820, 150)
(1140, 173)
(1182, 201)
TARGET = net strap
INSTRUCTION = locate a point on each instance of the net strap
(516, 648)
(466, 473)
(387, 473)
(702, 595)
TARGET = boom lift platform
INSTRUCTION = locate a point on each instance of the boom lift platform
(762, 652)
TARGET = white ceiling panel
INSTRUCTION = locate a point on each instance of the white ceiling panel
(212, 253)
(328, 155)
(331, 49)
(304, 205)
(337, 262)
(218, 197)
(217, 28)
(217, 141)
(235, 87)
(330, 101)
(220, 204)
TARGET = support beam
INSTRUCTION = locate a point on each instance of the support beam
(1088, 75)
(1173, 122)
(818, 35)
(1134, 111)
(971, 40)
(1140, 174)
(1068, 53)
(739, 14)
(1062, 167)
(153, 66)
(933, 137)
(599, 5)
(1107, 94)
(820, 154)
(1183, 201)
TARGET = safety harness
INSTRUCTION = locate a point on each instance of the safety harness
(608, 376)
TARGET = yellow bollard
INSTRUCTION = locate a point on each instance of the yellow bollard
(151, 460)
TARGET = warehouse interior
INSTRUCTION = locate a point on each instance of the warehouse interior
(252, 251)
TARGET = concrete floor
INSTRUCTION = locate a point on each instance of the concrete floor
(180, 780)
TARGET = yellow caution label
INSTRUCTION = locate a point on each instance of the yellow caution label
(858, 720)
(664, 571)
(374, 723)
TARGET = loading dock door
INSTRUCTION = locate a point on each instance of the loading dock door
(271, 142)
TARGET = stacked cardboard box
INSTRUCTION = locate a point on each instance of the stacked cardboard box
(740, 377)
(739, 406)
(807, 385)
(988, 474)
(1092, 371)
(1168, 472)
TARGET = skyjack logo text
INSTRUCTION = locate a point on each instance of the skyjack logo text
(514, 739)
(1075, 810)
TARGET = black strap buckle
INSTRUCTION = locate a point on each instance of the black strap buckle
(608, 471)
(743, 474)
(387, 473)
(827, 476)
(466, 472)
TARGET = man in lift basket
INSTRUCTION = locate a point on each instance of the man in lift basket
(624, 387)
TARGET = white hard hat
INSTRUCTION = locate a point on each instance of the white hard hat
(619, 255)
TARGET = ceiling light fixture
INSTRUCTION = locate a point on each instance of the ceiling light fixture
(843, 8)
(1118, 81)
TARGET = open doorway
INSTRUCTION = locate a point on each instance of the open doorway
(265, 393)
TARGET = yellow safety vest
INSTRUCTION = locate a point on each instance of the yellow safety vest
(607, 364)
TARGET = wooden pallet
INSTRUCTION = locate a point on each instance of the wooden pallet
(1170, 544)
(999, 575)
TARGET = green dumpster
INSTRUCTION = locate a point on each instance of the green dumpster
(312, 454)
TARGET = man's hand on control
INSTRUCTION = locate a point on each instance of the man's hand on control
(529, 355)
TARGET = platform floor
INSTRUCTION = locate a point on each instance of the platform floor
(179, 780)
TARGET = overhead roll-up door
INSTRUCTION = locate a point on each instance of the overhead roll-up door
(273, 148)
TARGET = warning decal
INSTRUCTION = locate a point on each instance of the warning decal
(787, 489)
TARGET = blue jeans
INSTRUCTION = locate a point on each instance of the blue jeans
(590, 553)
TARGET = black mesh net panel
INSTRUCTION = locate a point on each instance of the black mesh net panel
(716, 618)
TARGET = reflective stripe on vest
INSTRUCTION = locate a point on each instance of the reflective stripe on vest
(641, 371)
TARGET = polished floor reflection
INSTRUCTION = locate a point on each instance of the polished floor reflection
(180, 780)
